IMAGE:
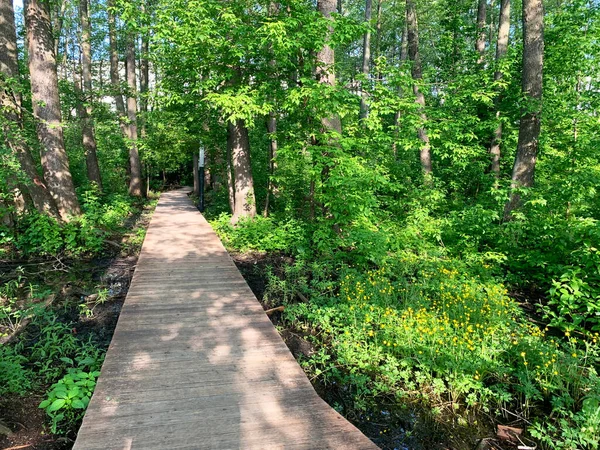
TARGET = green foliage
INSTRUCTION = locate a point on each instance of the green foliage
(38, 234)
(15, 377)
(55, 346)
(427, 326)
(263, 234)
(68, 398)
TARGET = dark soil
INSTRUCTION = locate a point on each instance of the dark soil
(28, 422)
(77, 282)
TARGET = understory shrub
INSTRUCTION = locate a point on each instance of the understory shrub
(264, 234)
(38, 234)
(448, 337)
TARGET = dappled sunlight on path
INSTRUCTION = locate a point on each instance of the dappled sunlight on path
(194, 361)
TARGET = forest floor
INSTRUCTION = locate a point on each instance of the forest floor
(25, 425)
(392, 426)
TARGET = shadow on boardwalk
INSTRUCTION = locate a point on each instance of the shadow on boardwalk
(195, 363)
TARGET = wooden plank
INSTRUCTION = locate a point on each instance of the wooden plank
(195, 363)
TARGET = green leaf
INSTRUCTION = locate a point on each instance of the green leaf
(77, 404)
(56, 405)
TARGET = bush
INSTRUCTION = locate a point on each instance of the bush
(449, 337)
(67, 399)
(41, 235)
(263, 234)
(15, 378)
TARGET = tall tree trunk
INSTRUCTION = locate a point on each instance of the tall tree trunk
(481, 21)
(10, 105)
(366, 60)
(135, 180)
(114, 62)
(87, 127)
(46, 108)
(398, 114)
(417, 75)
(501, 48)
(144, 76)
(530, 126)
(271, 130)
(229, 175)
(243, 186)
(57, 26)
(378, 37)
(271, 127)
(325, 63)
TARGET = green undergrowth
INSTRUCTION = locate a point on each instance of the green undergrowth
(419, 313)
(48, 308)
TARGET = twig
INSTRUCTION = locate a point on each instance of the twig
(8, 339)
(18, 447)
(302, 297)
(517, 416)
(268, 312)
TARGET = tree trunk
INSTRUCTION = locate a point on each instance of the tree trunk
(325, 62)
(501, 48)
(481, 21)
(271, 130)
(46, 108)
(229, 175)
(529, 128)
(366, 60)
(87, 126)
(243, 186)
(398, 114)
(135, 180)
(144, 76)
(378, 37)
(10, 104)
(417, 75)
(114, 63)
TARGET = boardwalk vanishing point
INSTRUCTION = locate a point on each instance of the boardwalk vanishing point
(195, 363)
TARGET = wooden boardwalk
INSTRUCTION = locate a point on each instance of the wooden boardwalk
(195, 363)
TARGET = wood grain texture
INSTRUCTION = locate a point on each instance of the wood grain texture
(195, 362)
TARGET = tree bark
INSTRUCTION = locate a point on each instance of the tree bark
(366, 60)
(325, 63)
(57, 25)
(135, 179)
(114, 62)
(144, 77)
(530, 126)
(243, 186)
(501, 48)
(229, 174)
(398, 114)
(46, 108)
(481, 22)
(378, 37)
(87, 126)
(271, 130)
(10, 104)
(417, 75)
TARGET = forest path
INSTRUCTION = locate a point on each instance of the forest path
(195, 363)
